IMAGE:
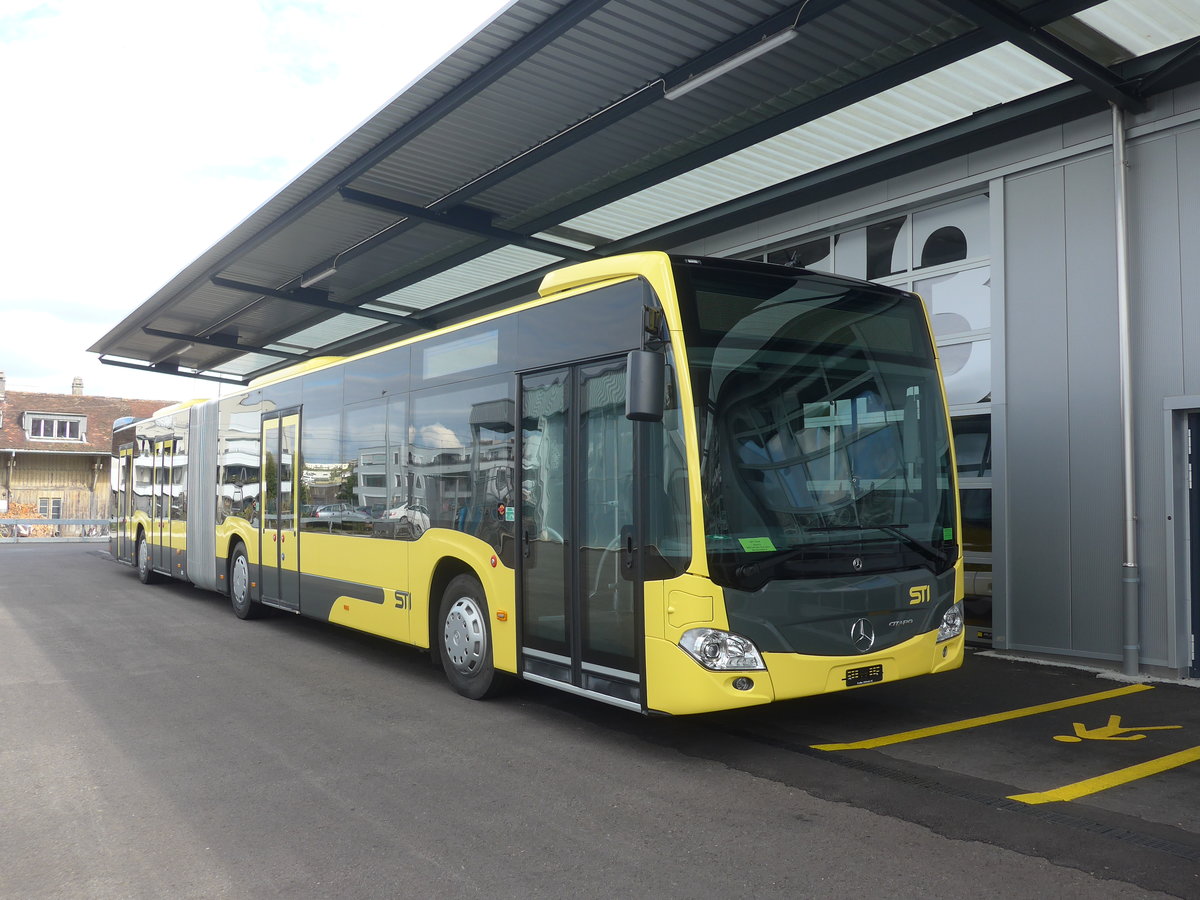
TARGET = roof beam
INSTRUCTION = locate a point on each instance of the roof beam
(834, 100)
(1188, 55)
(304, 296)
(1000, 20)
(460, 219)
(980, 130)
(984, 129)
(225, 342)
(311, 297)
(296, 294)
(640, 99)
(1041, 110)
(645, 96)
(161, 369)
(839, 98)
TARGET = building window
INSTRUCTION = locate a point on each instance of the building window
(887, 248)
(49, 427)
(50, 507)
(946, 245)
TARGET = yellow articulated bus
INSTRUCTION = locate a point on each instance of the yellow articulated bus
(672, 484)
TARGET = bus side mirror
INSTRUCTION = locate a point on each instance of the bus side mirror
(645, 386)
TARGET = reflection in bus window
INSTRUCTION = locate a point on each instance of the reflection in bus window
(461, 447)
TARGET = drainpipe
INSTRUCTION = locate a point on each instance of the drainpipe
(1130, 576)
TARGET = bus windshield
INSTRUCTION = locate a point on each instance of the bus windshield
(823, 438)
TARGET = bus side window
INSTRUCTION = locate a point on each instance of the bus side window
(462, 453)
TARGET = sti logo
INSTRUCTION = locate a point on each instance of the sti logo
(918, 595)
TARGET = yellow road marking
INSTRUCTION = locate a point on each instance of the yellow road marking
(1113, 731)
(1112, 779)
(964, 724)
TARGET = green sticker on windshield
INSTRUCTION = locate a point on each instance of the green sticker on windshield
(947, 534)
(756, 545)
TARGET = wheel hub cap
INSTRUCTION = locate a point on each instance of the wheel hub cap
(240, 580)
(465, 636)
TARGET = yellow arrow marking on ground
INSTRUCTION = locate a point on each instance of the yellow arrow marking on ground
(964, 724)
(1112, 779)
(1113, 731)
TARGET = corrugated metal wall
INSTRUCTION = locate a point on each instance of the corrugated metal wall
(1064, 448)
(1063, 418)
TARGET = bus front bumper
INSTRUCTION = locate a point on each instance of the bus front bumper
(678, 685)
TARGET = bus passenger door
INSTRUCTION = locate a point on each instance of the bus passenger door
(580, 597)
(124, 502)
(160, 508)
(278, 521)
(170, 522)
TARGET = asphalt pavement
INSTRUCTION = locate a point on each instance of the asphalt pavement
(153, 745)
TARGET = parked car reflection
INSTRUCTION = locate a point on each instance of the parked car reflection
(412, 518)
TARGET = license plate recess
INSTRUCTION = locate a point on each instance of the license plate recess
(863, 675)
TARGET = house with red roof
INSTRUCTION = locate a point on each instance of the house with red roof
(55, 451)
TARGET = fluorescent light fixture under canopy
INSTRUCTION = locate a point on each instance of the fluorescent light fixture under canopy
(766, 45)
(308, 280)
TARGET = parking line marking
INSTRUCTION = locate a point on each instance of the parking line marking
(1112, 779)
(964, 724)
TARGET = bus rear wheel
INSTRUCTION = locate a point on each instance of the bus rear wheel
(465, 640)
(240, 595)
(145, 569)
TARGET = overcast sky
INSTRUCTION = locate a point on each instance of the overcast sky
(138, 133)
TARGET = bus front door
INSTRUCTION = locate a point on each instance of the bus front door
(278, 521)
(580, 601)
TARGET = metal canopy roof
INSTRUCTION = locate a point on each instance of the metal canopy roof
(569, 129)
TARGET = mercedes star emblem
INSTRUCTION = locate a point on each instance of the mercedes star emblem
(857, 563)
(862, 635)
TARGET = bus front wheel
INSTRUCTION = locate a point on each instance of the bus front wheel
(240, 595)
(465, 640)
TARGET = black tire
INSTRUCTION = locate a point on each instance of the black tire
(240, 596)
(464, 639)
(145, 568)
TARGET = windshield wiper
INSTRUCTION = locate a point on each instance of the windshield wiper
(759, 571)
(908, 540)
(752, 571)
(815, 560)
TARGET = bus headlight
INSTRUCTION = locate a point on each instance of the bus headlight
(720, 650)
(952, 623)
